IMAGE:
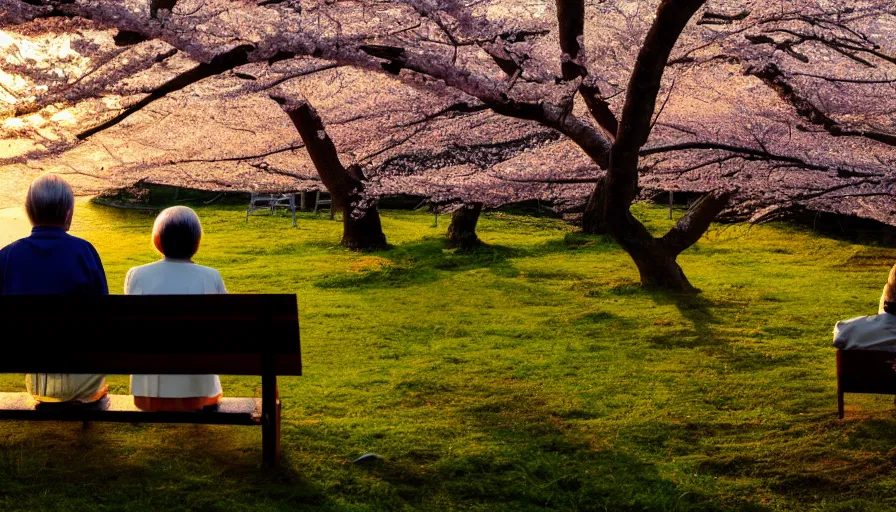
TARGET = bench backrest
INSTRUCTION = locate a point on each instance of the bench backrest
(866, 371)
(232, 334)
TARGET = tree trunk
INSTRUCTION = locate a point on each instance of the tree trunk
(658, 269)
(593, 216)
(361, 227)
(364, 231)
(655, 258)
(462, 231)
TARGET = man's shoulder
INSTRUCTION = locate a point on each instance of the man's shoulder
(9, 247)
(79, 242)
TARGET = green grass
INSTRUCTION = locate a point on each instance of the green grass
(530, 374)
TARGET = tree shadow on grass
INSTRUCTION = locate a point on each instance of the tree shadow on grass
(696, 309)
(705, 330)
(577, 242)
(141, 467)
(846, 472)
(424, 262)
(538, 459)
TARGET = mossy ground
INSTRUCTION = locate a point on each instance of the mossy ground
(533, 373)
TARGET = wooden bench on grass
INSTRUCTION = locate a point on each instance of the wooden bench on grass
(154, 334)
(865, 371)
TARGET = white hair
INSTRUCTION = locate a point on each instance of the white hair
(176, 232)
(50, 201)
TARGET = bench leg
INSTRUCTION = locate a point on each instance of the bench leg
(270, 421)
(839, 404)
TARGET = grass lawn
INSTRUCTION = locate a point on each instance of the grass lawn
(531, 374)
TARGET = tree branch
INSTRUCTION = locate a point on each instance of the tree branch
(695, 222)
(221, 63)
(571, 26)
(772, 76)
(291, 147)
(320, 148)
(600, 110)
(352, 52)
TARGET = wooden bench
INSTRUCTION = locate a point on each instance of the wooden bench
(270, 202)
(865, 371)
(154, 334)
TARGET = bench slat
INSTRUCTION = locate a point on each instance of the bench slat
(151, 334)
(164, 364)
(155, 324)
(120, 408)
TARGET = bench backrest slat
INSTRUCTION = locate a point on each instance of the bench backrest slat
(866, 371)
(224, 334)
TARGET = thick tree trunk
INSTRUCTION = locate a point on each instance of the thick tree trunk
(462, 231)
(593, 216)
(365, 231)
(361, 227)
(655, 257)
(655, 260)
(658, 269)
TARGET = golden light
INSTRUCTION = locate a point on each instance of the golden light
(53, 55)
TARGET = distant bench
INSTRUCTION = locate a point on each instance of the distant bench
(154, 334)
(865, 371)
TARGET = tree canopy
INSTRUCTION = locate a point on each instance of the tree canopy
(764, 107)
(786, 104)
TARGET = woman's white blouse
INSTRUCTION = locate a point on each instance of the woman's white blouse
(174, 277)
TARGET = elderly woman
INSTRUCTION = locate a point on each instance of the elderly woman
(52, 262)
(176, 234)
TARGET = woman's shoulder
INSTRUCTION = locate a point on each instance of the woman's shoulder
(208, 270)
(143, 269)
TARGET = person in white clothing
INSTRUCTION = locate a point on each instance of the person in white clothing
(874, 332)
(176, 234)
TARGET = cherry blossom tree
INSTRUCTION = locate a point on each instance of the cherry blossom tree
(763, 107)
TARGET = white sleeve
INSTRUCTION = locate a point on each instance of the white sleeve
(220, 284)
(839, 339)
(128, 282)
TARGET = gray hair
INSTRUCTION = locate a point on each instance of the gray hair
(177, 232)
(50, 201)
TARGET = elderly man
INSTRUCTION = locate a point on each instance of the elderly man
(52, 262)
(875, 332)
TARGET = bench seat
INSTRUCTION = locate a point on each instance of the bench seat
(120, 408)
